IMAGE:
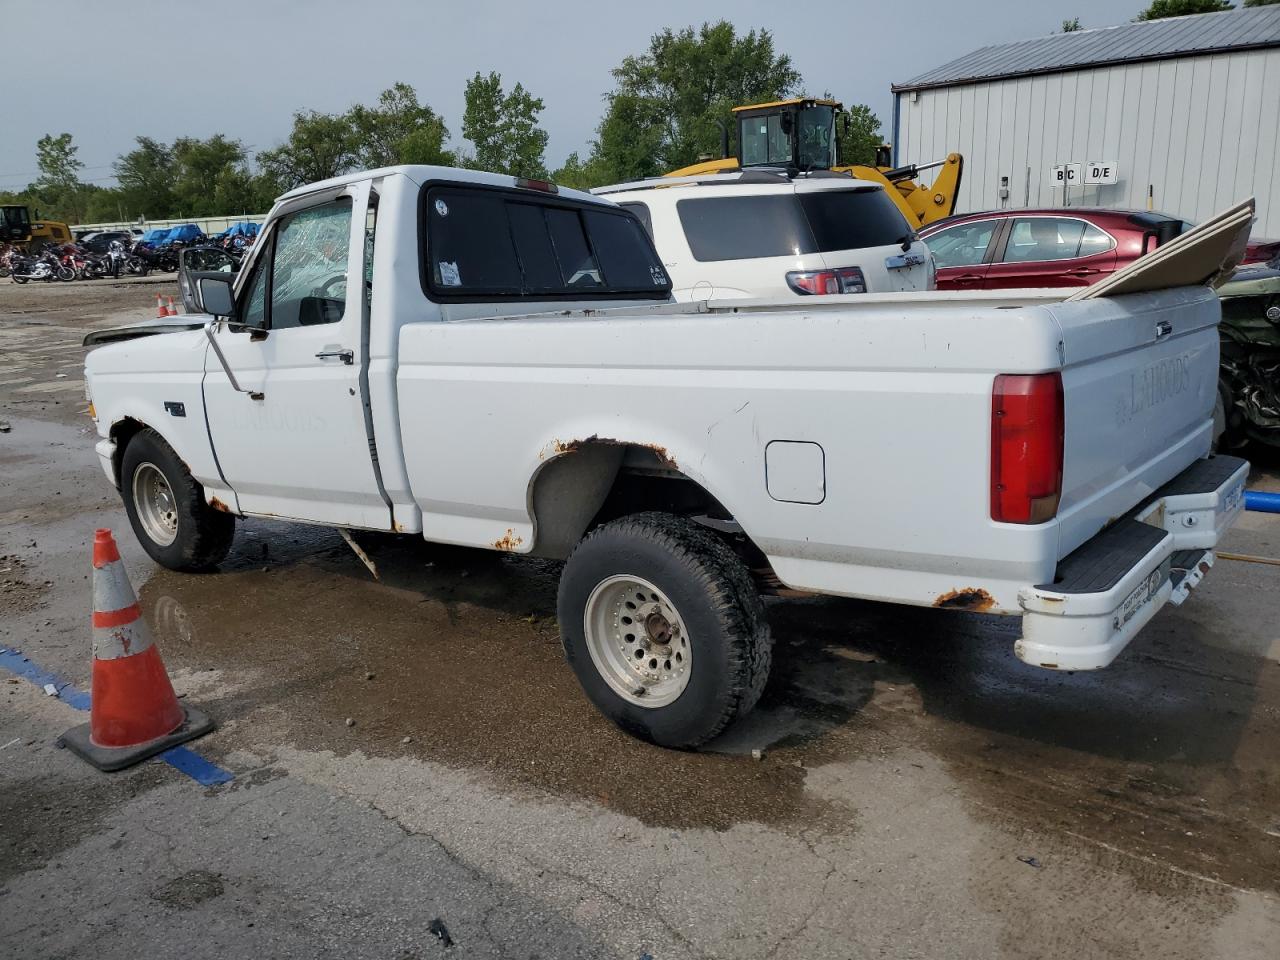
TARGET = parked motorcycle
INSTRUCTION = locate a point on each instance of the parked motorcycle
(45, 265)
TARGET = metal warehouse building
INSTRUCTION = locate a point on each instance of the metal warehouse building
(1185, 109)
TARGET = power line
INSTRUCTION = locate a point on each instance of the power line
(36, 173)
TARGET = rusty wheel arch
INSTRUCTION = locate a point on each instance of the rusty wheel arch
(583, 483)
(122, 432)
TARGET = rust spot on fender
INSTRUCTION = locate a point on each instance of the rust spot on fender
(559, 447)
(219, 505)
(508, 542)
(968, 598)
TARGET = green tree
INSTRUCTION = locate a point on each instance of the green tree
(860, 135)
(581, 174)
(106, 204)
(1072, 25)
(668, 102)
(1259, 3)
(57, 191)
(398, 130)
(59, 166)
(320, 146)
(146, 178)
(211, 176)
(504, 128)
(1160, 9)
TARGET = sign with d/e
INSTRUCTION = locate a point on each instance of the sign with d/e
(1101, 171)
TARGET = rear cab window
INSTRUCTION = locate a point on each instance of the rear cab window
(790, 224)
(496, 243)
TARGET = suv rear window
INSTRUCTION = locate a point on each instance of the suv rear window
(851, 219)
(789, 224)
(494, 243)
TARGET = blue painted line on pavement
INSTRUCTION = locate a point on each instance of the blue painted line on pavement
(180, 758)
(196, 767)
(15, 662)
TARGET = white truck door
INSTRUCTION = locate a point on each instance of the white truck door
(292, 441)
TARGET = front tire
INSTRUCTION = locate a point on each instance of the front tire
(664, 629)
(166, 508)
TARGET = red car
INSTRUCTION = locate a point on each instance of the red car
(1051, 247)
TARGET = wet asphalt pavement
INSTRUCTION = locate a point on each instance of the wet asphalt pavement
(413, 762)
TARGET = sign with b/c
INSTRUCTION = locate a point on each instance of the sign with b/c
(1074, 174)
(1065, 175)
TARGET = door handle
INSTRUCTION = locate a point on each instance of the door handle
(346, 356)
(968, 278)
(1083, 272)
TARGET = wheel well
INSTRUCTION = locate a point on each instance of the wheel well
(596, 481)
(123, 431)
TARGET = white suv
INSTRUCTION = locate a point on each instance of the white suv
(763, 234)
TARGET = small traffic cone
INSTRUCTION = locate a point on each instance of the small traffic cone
(169, 311)
(161, 313)
(133, 713)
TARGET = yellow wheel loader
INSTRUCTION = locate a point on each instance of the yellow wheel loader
(17, 227)
(801, 135)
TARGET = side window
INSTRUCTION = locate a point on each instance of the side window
(641, 210)
(1094, 241)
(962, 245)
(1036, 239)
(309, 266)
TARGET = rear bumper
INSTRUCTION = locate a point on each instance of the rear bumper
(1109, 588)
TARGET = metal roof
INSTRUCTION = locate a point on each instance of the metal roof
(1200, 34)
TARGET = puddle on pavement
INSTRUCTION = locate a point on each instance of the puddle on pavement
(1168, 755)
(466, 660)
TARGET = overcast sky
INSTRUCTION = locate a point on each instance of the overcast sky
(110, 71)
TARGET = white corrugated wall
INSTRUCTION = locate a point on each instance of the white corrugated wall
(1202, 131)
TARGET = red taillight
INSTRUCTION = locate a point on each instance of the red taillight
(1027, 426)
(821, 282)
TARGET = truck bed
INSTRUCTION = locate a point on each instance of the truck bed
(891, 391)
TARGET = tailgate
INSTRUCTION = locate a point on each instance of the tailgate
(1139, 378)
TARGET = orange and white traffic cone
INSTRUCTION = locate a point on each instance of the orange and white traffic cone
(169, 311)
(161, 313)
(133, 712)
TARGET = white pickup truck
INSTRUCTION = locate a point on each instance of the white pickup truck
(496, 363)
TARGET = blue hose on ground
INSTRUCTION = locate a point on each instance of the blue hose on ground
(1262, 502)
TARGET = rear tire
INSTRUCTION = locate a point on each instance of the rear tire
(167, 510)
(695, 608)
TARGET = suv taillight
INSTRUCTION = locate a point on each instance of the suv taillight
(1027, 427)
(843, 280)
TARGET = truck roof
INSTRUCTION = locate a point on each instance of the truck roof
(742, 182)
(421, 173)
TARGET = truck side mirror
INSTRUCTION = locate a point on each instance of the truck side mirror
(215, 295)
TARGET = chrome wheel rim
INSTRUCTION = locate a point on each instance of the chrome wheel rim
(156, 505)
(638, 641)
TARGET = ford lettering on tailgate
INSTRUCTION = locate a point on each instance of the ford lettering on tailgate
(1153, 385)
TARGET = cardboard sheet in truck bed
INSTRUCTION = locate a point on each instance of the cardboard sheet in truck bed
(1204, 254)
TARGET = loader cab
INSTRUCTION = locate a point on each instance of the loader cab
(15, 223)
(793, 134)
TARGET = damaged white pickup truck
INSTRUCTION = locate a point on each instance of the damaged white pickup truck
(496, 363)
